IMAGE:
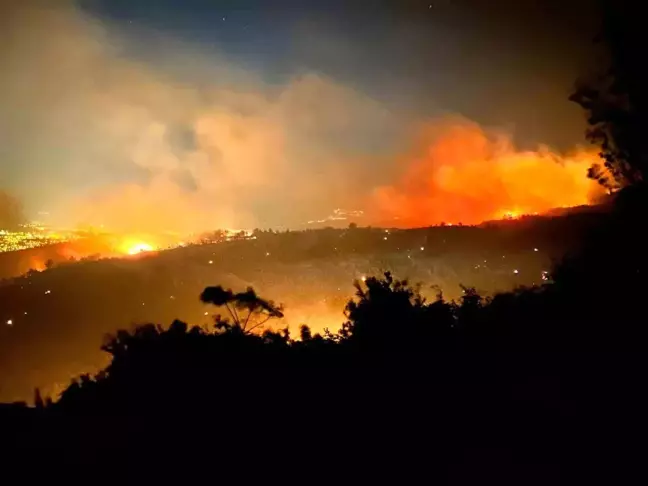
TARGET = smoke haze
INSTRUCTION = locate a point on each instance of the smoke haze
(180, 138)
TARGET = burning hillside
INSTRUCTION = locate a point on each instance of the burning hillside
(460, 173)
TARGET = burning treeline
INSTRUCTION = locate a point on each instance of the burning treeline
(459, 173)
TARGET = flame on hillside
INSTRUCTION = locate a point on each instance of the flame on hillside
(140, 247)
(459, 173)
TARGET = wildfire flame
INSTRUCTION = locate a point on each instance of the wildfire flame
(139, 248)
(459, 173)
(132, 246)
(511, 214)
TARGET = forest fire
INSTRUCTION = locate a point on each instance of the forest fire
(459, 173)
(137, 248)
(512, 214)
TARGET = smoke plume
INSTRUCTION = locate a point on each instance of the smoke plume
(184, 141)
(173, 137)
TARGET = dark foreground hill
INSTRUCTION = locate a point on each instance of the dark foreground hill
(537, 386)
(407, 390)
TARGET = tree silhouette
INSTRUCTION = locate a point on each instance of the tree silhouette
(610, 262)
(247, 310)
(616, 99)
(390, 313)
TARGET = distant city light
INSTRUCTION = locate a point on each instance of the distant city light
(211, 262)
(516, 271)
(32, 236)
(48, 292)
(9, 322)
(422, 248)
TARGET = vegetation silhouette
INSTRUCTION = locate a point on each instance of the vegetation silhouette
(615, 100)
(259, 311)
(600, 286)
(400, 364)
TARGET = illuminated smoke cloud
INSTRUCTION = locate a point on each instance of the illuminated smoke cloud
(180, 139)
(184, 141)
(459, 173)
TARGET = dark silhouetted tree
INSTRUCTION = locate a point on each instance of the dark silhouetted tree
(611, 262)
(616, 99)
(247, 310)
(389, 313)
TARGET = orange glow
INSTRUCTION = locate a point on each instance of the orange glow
(133, 244)
(510, 214)
(130, 245)
(459, 173)
(137, 248)
(35, 263)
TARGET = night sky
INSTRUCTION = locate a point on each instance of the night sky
(343, 83)
(500, 62)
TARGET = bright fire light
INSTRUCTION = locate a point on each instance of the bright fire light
(510, 214)
(461, 173)
(139, 248)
